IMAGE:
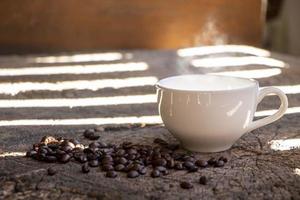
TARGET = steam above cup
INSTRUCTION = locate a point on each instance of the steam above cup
(208, 113)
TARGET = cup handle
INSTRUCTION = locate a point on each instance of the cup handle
(267, 120)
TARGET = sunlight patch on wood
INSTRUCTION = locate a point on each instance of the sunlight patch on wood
(15, 88)
(154, 119)
(75, 69)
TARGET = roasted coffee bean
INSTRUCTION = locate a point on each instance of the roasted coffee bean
(219, 163)
(94, 163)
(201, 163)
(42, 151)
(155, 173)
(212, 161)
(48, 139)
(170, 163)
(94, 136)
(119, 167)
(87, 133)
(160, 141)
(102, 145)
(92, 156)
(82, 158)
(59, 152)
(107, 158)
(85, 168)
(65, 158)
(224, 159)
(203, 180)
(30, 153)
(159, 162)
(74, 141)
(94, 145)
(136, 167)
(178, 166)
(51, 159)
(188, 159)
(107, 168)
(188, 164)
(122, 160)
(193, 169)
(177, 156)
(68, 143)
(142, 170)
(131, 157)
(91, 134)
(186, 185)
(120, 152)
(51, 171)
(53, 146)
(160, 168)
(132, 174)
(67, 148)
(111, 174)
(131, 151)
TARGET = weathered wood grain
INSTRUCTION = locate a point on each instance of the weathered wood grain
(254, 170)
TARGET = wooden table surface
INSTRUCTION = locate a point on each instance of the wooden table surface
(263, 164)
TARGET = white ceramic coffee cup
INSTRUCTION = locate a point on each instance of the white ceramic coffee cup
(208, 113)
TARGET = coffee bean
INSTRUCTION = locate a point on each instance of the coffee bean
(160, 168)
(94, 136)
(82, 158)
(186, 185)
(136, 167)
(85, 168)
(48, 139)
(132, 174)
(93, 163)
(203, 180)
(119, 167)
(155, 173)
(107, 158)
(201, 163)
(107, 167)
(178, 166)
(131, 157)
(159, 162)
(188, 159)
(219, 163)
(188, 164)
(30, 153)
(142, 170)
(68, 143)
(51, 171)
(224, 159)
(120, 152)
(91, 134)
(193, 169)
(212, 161)
(65, 158)
(87, 133)
(51, 159)
(111, 174)
(131, 151)
(122, 160)
(170, 163)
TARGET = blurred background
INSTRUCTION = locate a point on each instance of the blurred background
(34, 26)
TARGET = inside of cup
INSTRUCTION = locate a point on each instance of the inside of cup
(205, 83)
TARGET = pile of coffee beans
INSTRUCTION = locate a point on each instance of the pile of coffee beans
(135, 160)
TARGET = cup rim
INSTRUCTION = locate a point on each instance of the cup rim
(158, 85)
